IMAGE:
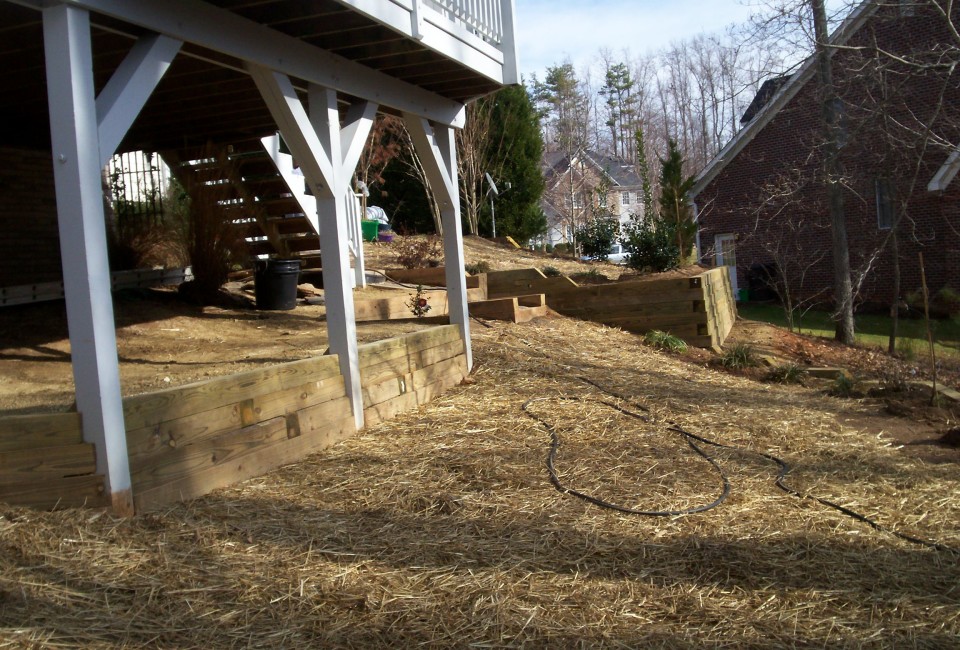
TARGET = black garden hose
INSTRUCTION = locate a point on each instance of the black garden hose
(779, 481)
(555, 445)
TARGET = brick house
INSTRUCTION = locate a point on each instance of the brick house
(580, 187)
(761, 203)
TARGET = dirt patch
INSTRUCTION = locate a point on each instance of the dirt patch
(885, 395)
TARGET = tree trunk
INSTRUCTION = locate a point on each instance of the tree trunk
(895, 302)
(843, 288)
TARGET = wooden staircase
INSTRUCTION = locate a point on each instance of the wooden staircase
(264, 196)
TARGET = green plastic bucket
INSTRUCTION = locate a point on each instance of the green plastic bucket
(369, 230)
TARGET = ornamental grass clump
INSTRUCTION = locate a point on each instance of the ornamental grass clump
(665, 341)
(738, 357)
(787, 373)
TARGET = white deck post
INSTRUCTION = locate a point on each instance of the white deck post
(324, 153)
(332, 212)
(83, 244)
(438, 152)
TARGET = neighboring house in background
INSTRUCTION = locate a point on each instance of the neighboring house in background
(762, 202)
(581, 187)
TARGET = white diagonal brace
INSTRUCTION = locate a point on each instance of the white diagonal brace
(438, 153)
(294, 123)
(128, 90)
(83, 244)
(220, 30)
(353, 135)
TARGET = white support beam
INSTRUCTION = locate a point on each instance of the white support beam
(332, 211)
(509, 46)
(83, 244)
(200, 23)
(437, 149)
(315, 140)
(128, 90)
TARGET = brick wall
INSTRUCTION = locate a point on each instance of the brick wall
(772, 194)
(30, 247)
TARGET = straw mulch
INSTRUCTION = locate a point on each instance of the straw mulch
(441, 528)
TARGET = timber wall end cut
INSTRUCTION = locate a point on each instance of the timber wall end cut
(186, 441)
(44, 462)
(700, 309)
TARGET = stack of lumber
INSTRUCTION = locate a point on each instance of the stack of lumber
(45, 463)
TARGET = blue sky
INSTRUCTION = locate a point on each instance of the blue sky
(550, 31)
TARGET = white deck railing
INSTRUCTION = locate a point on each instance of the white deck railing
(477, 33)
(482, 17)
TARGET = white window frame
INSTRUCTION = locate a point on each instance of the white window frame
(625, 198)
(885, 208)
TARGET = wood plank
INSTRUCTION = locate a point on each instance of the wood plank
(401, 366)
(495, 309)
(250, 465)
(398, 308)
(392, 387)
(40, 430)
(533, 300)
(613, 310)
(478, 281)
(379, 351)
(432, 276)
(413, 399)
(436, 354)
(317, 418)
(73, 492)
(577, 300)
(183, 462)
(29, 465)
(440, 371)
(148, 441)
(500, 282)
(379, 372)
(531, 286)
(386, 389)
(525, 314)
(153, 408)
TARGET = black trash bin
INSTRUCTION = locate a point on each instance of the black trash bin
(275, 283)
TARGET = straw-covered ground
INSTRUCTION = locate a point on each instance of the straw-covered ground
(441, 528)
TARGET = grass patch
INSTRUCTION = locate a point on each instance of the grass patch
(871, 330)
(665, 341)
(788, 373)
(739, 356)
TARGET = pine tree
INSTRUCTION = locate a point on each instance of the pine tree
(643, 170)
(516, 135)
(675, 205)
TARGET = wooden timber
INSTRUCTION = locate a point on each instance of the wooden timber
(44, 462)
(434, 277)
(699, 309)
(410, 370)
(185, 441)
(398, 308)
(518, 309)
